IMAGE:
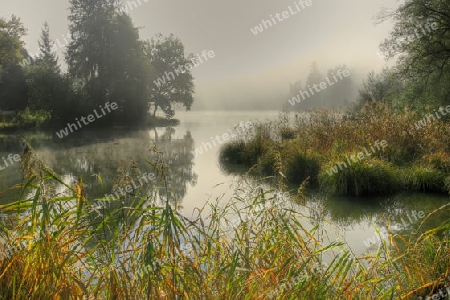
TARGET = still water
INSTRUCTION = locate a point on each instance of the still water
(198, 178)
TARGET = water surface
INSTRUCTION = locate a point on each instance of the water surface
(198, 178)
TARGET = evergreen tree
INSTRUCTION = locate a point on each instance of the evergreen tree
(47, 88)
(105, 58)
(315, 99)
(47, 54)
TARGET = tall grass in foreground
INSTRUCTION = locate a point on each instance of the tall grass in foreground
(254, 246)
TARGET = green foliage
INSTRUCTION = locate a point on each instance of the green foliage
(419, 45)
(12, 79)
(233, 152)
(106, 59)
(47, 55)
(438, 160)
(425, 179)
(299, 166)
(267, 163)
(447, 184)
(259, 144)
(33, 118)
(287, 133)
(48, 90)
(424, 53)
(122, 68)
(383, 87)
(170, 85)
(362, 178)
(13, 89)
(107, 62)
(11, 45)
(250, 147)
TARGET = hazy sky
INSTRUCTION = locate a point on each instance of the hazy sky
(247, 68)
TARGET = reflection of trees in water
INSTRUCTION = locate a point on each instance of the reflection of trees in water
(345, 212)
(348, 211)
(232, 169)
(178, 156)
(107, 153)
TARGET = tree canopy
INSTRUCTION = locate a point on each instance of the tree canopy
(174, 84)
(12, 80)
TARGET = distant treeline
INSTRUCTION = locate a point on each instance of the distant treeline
(333, 90)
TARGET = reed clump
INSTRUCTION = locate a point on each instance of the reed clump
(363, 178)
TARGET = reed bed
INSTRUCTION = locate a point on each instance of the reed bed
(309, 145)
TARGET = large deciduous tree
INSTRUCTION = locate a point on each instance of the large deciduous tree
(12, 80)
(174, 83)
(420, 43)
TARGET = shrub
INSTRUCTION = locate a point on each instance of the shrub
(364, 178)
(35, 118)
(258, 144)
(287, 133)
(424, 179)
(248, 149)
(438, 160)
(300, 166)
(233, 152)
(266, 163)
(447, 184)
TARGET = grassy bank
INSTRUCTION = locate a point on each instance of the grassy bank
(65, 246)
(42, 119)
(376, 151)
(24, 120)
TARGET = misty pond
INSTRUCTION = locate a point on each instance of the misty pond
(200, 178)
